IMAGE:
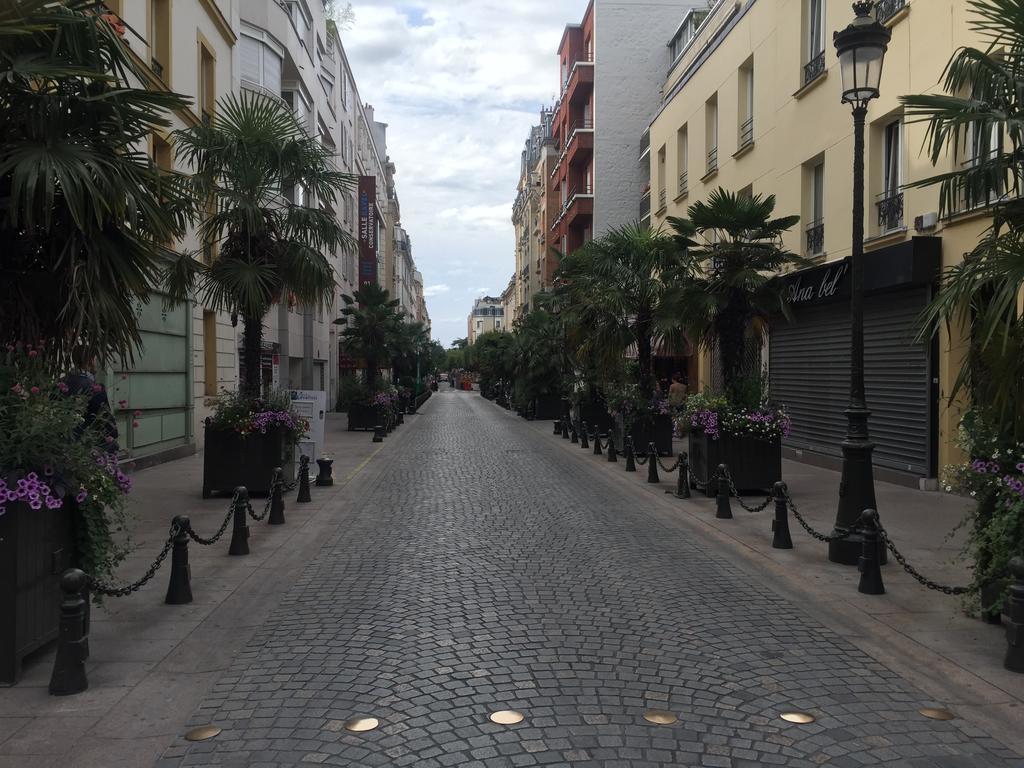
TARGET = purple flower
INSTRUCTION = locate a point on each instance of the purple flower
(36, 504)
(82, 495)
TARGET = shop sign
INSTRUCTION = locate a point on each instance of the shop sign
(819, 284)
(367, 230)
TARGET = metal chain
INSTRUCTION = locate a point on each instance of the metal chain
(671, 469)
(922, 580)
(732, 488)
(109, 591)
(696, 480)
(220, 532)
(275, 482)
(811, 531)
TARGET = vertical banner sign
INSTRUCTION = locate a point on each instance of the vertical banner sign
(367, 230)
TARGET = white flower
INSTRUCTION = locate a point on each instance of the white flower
(973, 493)
(949, 488)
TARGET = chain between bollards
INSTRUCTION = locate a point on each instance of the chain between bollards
(732, 488)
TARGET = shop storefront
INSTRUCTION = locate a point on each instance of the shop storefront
(809, 360)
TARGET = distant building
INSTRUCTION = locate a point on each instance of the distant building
(488, 315)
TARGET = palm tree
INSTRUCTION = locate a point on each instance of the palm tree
(735, 251)
(978, 119)
(271, 248)
(618, 291)
(87, 216)
(372, 324)
(541, 353)
(410, 343)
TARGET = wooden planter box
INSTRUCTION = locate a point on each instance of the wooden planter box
(36, 546)
(548, 408)
(231, 459)
(361, 416)
(754, 464)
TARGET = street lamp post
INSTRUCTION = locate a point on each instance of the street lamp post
(861, 49)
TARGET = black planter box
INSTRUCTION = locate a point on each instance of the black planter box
(231, 459)
(36, 546)
(595, 414)
(362, 416)
(548, 407)
(754, 464)
(655, 429)
(422, 398)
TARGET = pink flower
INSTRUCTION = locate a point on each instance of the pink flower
(135, 423)
(33, 353)
(34, 390)
(62, 387)
(16, 388)
(138, 413)
(122, 403)
(110, 439)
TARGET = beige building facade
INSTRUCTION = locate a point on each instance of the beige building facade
(488, 315)
(752, 104)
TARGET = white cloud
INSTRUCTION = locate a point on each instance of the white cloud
(459, 84)
(436, 290)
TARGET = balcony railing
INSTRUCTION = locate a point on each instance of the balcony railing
(662, 199)
(157, 67)
(814, 67)
(586, 58)
(886, 9)
(645, 144)
(816, 237)
(712, 161)
(890, 211)
(683, 181)
(585, 190)
(747, 132)
(645, 205)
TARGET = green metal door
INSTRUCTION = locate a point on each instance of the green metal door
(157, 384)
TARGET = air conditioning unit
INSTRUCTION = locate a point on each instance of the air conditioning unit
(926, 221)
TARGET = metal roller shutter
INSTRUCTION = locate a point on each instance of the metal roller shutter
(809, 372)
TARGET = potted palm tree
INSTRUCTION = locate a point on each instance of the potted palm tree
(541, 362)
(269, 247)
(978, 302)
(371, 331)
(734, 248)
(619, 295)
(83, 229)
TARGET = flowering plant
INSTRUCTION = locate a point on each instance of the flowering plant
(53, 457)
(715, 415)
(994, 476)
(234, 411)
(627, 401)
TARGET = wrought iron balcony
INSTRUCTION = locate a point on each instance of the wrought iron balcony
(662, 199)
(886, 9)
(645, 205)
(712, 160)
(683, 183)
(890, 211)
(747, 132)
(816, 237)
(814, 67)
(157, 67)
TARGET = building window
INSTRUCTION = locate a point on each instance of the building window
(207, 83)
(160, 37)
(260, 65)
(816, 208)
(210, 353)
(814, 29)
(711, 134)
(682, 160)
(890, 201)
(745, 110)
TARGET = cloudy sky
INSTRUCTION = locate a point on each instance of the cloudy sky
(459, 83)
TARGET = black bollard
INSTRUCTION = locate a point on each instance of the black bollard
(565, 429)
(683, 478)
(652, 464)
(558, 428)
(612, 457)
(240, 529)
(378, 433)
(179, 587)
(724, 508)
(401, 416)
(869, 566)
(1014, 660)
(276, 515)
(303, 496)
(584, 442)
(575, 432)
(780, 525)
(597, 443)
(68, 675)
(325, 475)
(630, 459)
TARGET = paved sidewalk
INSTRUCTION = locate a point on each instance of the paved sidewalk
(151, 664)
(485, 565)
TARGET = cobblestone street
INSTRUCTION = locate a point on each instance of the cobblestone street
(482, 567)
